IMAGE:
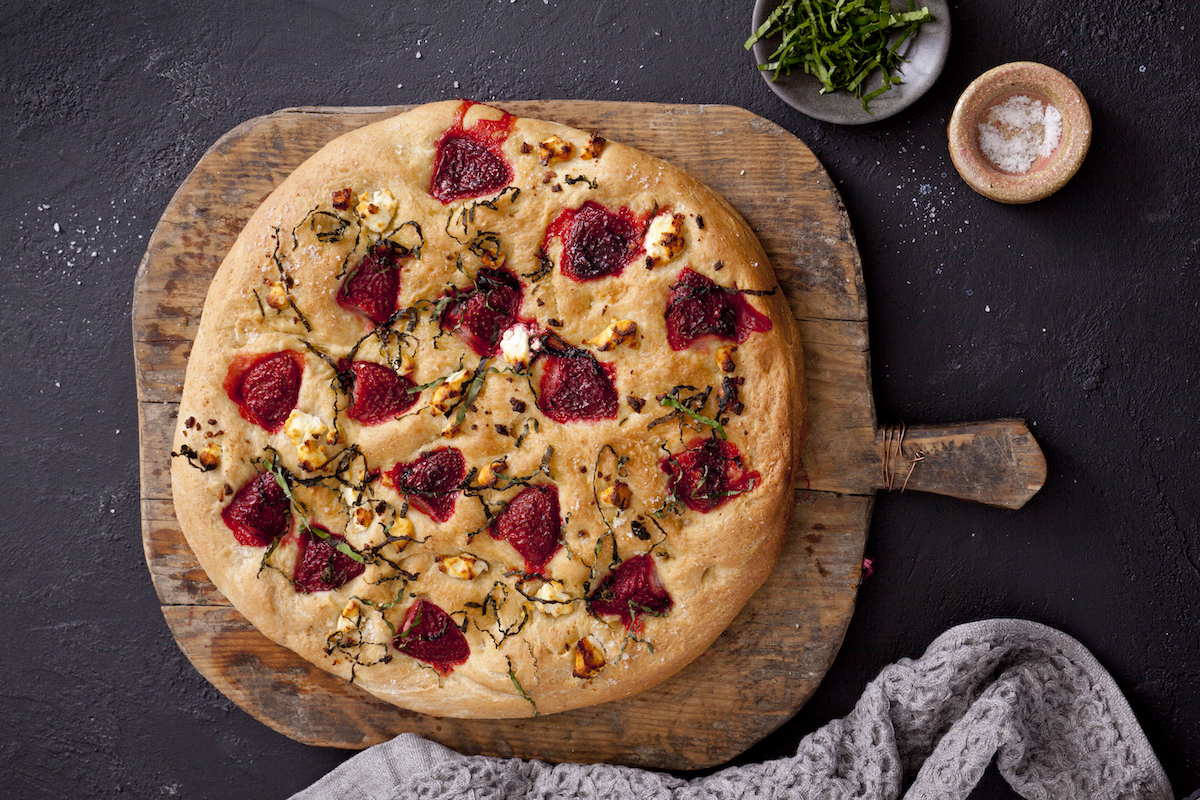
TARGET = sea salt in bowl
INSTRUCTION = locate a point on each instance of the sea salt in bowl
(1019, 132)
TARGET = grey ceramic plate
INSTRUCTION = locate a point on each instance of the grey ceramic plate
(924, 58)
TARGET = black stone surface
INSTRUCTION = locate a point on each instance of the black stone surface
(1079, 313)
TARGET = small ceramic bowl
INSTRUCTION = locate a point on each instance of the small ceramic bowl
(994, 91)
(924, 56)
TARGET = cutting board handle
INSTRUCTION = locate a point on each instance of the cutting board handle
(997, 462)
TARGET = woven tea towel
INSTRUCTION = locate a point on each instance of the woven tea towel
(1024, 694)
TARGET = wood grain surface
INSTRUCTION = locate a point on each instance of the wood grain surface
(770, 660)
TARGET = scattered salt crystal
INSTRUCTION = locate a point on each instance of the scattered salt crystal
(1013, 134)
(57, 228)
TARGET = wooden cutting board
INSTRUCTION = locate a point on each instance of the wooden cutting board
(770, 660)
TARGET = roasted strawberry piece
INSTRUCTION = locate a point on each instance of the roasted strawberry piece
(468, 162)
(575, 387)
(379, 394)
(532, 525)
(480, 314)
(259, 512)
(321, 567)
(432, 481)
(372, 288)
(429, 634)
(707, 474)
(265, 387)
(631, 591)
(698, 307)
(596, 242)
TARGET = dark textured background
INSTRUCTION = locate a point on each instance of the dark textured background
(1078, 313)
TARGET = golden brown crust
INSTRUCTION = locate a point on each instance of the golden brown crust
(276, 291)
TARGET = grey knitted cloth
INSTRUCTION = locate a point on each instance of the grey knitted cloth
(1027, 695)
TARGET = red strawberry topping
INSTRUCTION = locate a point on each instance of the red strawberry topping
(470, 163)
(630, 591)
(379, 394)
(259, 513)
(429, 634)
(265, 387)
(707, 474)
(532, 525)
(480, 314)
(321, 567)
(432, 481)
(698, 307)
(373, 287)
(575, 387)
(596, 242)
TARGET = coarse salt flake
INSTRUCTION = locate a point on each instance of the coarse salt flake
(1015, 133)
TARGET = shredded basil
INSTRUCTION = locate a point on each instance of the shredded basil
(281, 476)
(530, 422)
(473, 389)
(840, 42)
(574, 179)
(192, 457)
(520, 689)
(671, 402)
(545, 265)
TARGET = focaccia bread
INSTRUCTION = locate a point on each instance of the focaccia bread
(490, 416)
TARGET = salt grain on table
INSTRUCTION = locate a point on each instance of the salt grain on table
(1013, 134)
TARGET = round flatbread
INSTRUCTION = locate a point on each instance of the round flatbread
(490, 416)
